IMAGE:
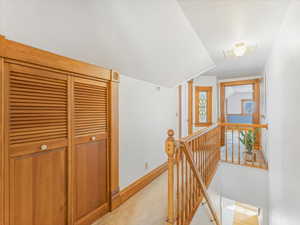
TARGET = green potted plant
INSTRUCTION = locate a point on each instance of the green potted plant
(248, 139)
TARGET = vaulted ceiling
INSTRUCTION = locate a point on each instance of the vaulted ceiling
(147, 40)
(161, 41)
(222, 23)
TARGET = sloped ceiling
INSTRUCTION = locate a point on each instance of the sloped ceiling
(147, 40)
(222, 23)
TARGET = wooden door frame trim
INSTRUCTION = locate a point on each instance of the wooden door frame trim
(180, 111)
(256, 99)
(2, 132)
(2, 156)
(240, 82)
(114, 175)
(2, 40)
(209, 90)
(190, 106)
(5, 137)
(222, 85)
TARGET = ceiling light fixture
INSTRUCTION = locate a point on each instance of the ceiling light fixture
(239, 49)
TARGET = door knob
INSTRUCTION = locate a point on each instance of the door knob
(93, 138)
(44, 147)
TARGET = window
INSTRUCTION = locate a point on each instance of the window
(247, 106)
(203, 106)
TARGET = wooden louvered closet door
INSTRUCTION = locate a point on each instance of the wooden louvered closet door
(91, 155)
(37, 145)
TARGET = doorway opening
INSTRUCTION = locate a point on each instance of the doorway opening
(240, 101)
(237, 213)
(239, 106)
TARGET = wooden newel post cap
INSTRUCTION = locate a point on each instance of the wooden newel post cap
(170, 133)
(170, 143)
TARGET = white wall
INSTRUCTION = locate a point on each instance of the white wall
(238, 183)
(228, 206)
(184, 115)
(146, 114)
(245, 185)
(214, 191)
(234, 102)
(283, 94)
(1, 17)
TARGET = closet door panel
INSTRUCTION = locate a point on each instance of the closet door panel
(91, 171)
(90, 107)
(38, 188)
(38, 112)
(91, 150)
(37, 144)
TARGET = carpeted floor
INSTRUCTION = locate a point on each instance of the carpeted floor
(147, 207)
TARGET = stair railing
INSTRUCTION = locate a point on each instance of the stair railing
(192, 163)
(234, 151)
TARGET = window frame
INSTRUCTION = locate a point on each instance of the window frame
(243, 101)
(208, 90)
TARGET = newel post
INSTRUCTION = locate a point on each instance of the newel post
(170, 150)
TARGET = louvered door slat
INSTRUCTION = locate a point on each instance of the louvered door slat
(90, 106)
(33, 92)
(37, 104)
(90, 126)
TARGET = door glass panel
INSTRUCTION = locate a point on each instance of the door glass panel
(203, 106)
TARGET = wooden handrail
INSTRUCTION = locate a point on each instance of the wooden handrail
(243, 125)
(192, 163)
(198, 133)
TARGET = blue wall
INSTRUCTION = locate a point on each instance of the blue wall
(239, 119)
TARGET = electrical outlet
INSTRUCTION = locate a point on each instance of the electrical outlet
(146, 165)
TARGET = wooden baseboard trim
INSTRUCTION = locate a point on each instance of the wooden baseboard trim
(138, 185)
(115, 202)
(93, 216)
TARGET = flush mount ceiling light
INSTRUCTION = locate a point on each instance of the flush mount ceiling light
(239, 49)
